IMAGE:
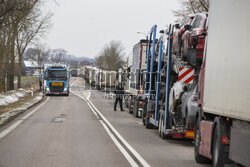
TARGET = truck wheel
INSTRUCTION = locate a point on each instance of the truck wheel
(144, 113)
(219, 155)
(198, 157)
(148, 125)
(135, 108)
(126, 103)
(130, 110)
(143, 118)
(143, 121)
(161, 127)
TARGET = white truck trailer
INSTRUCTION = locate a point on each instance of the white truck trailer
(105, 80)
(222, 131)
(134, 84)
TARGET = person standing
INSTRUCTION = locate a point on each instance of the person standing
(40, 84)
(119, 92)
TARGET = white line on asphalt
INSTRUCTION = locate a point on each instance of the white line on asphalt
(124, 152)
(89, 96)
(18, 122)
(136, 154)
(93, 111)
(130, 148)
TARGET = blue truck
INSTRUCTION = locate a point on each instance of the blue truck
(56, 79)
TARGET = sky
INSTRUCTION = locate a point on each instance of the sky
(83, 27)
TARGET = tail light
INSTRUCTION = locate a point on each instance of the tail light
(225, 140)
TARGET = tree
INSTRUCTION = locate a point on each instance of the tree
(191, 7)
(20, 23)
(111, 56)
(30, 29)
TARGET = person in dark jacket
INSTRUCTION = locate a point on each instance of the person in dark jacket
(119, 92)
(40, 84)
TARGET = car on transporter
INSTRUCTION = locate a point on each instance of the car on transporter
(178, 33)
(189, 105)
(193, 40)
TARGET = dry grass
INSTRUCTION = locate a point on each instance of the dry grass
(17, 107)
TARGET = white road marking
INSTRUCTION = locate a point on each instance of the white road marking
(18, 122)
(89, 96)
(124, 152)
(130, 148)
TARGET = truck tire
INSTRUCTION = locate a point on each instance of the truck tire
(135, 108)
(198, 157)
(130, 109)
(161, 127)
(148, 125)
(220, 157)
(144, 113)
(67, 93)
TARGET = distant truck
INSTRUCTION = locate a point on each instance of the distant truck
(75, 72)
(105, 80)
(90, 75)
(56, 79)
(222, 131)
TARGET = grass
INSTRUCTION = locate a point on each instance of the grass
(27, 80)
(19, 104)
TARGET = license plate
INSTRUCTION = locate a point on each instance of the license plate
(189, 134)
(57, 84)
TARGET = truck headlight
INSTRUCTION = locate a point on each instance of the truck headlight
(47, 89)
(65, 89)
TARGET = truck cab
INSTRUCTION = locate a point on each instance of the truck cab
(56, 80)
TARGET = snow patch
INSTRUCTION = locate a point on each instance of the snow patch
(5, 116)
(12, 96)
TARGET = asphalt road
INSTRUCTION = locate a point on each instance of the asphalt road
(83, 130)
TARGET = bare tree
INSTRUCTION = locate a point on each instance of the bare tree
(41, 54)
(188, 7)
(30, 29)
(21, 22)
(111, 56)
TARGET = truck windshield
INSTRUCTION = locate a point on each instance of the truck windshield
(57, 74)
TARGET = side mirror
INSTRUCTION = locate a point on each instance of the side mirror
(188, 27)
(128, 75)
(161, 32)
(177, 26)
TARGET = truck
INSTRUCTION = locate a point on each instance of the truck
(150, 81)
(170, 80)
(222, 129)
(90, 75)
(56, 79)
(75, 72)
(134, 86)
(105, 80)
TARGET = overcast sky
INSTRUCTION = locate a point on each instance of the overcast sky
(83, 27)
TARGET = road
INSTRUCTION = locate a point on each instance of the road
(83, 130)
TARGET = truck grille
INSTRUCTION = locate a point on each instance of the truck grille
(56, 89)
